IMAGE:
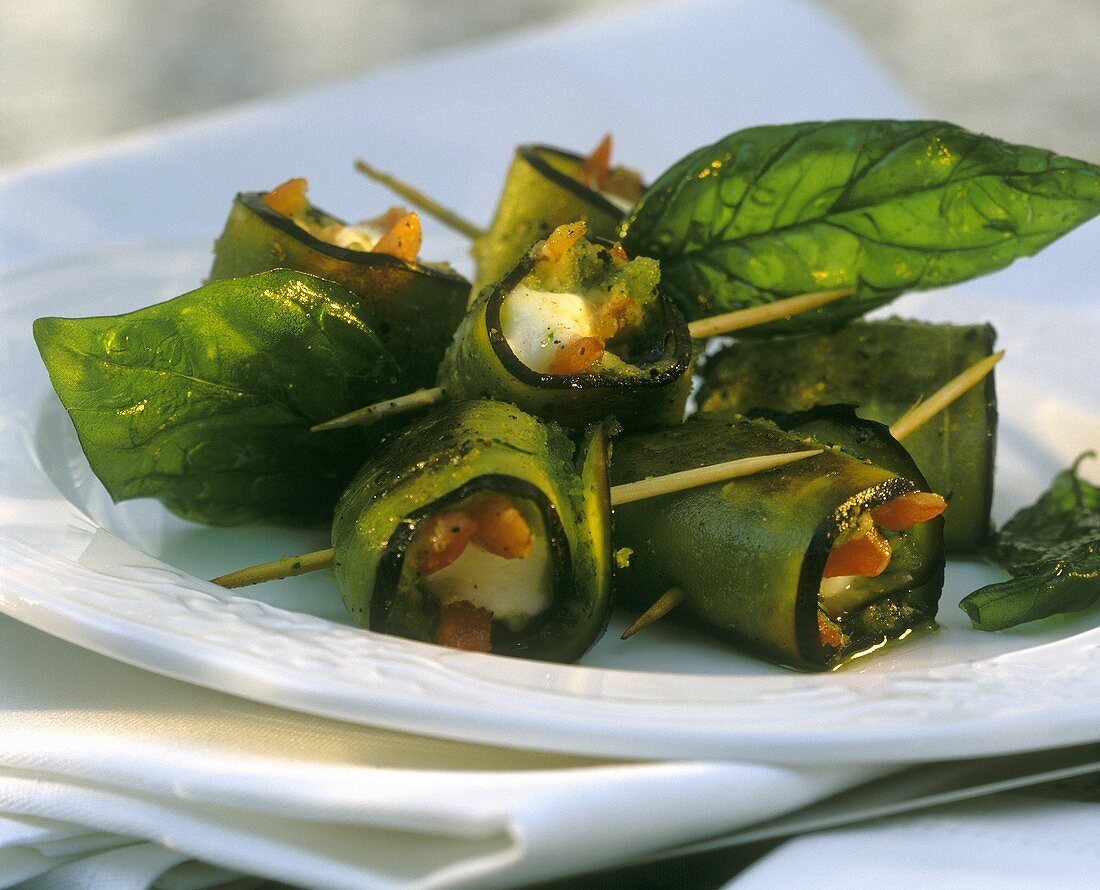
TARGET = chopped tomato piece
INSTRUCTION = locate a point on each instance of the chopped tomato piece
(562, 238)
(463, 625)
(387, 220)
(446, 536)
(908, 510)
(288, 198)
(616, 314)
(501, 528)
(830, 634)
(597, 173)
(593, 172)
(618, 253)
(402, 240)
(624, 183)
(866, 554)
(578, 356)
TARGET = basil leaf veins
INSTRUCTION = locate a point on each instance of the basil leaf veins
(205, 401)
(1053, 550)
(879, 206)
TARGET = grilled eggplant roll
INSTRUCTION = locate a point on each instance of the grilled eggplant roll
(415, 306)
(574, 333)
(476, 529)
(884, 368)
(547, 187)
(808, 565)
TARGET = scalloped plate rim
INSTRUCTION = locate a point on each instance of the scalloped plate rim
(970, 708)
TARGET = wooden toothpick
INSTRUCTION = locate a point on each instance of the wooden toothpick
(668, 601)
(730, 469)
(287, 567)
(925, 410)
(421, 201)
(290, 566)
(413, 401)
(740, 319)
(704, 327)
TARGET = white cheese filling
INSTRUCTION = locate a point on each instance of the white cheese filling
(538, 324)
(514, 590)
(361, 236)
(840, 595)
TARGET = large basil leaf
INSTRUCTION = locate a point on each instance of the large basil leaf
(879, 206)
(205, 401)
(1053, 550)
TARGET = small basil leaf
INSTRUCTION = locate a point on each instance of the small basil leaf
(1053, 550)
(1068, 506)
(206, 401)
(879, 206)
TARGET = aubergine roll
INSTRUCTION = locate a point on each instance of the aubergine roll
(479, 528)
(884, 368)
(808, 565)
(415, 306)
(576, 332)
(547, 187)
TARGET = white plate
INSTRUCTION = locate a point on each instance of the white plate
(119, 580)
(126, 580)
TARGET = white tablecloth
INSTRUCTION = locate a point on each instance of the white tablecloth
(989, 844)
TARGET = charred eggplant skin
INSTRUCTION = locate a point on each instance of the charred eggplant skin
(540, 193)
(749, 554)
(480, 364)
(415, 307)
(884, 367)
(458, 450)
(841, 425)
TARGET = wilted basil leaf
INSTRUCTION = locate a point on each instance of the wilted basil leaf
(879, 206)
(206, 401)
(1053, 550)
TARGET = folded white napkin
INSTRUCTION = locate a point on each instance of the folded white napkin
(996, 842)
(130, 865)
(98, 747)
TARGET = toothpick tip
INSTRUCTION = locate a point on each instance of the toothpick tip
(664, 604)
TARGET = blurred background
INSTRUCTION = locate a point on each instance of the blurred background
(74, 73)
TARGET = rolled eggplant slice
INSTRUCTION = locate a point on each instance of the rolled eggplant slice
(415, 306)
(778, 562)
(546, 187)
(574, 333)
(476, 529)
(884, 368)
